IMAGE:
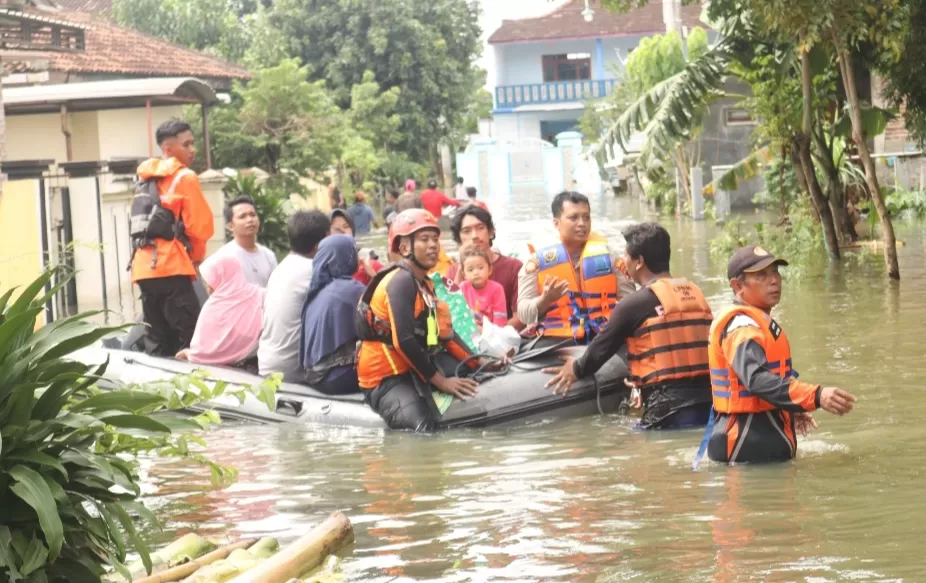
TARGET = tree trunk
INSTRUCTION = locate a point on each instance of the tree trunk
(858, 135)
(803, 145)
(836, 191)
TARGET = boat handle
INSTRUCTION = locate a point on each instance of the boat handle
(288, 407)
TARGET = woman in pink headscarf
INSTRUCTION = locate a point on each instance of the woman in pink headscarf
(229, 324)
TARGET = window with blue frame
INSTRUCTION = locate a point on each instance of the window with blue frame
(570, 67)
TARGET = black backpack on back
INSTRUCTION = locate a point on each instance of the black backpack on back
(148, 220)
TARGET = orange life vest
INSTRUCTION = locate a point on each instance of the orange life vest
(730, 395)
(673, 344)
(592, 294)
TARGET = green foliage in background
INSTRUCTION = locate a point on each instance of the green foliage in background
(69, 486)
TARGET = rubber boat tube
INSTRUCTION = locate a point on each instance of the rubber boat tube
(514, 398)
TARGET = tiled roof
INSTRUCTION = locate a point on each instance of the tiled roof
(566, 22)
(91, 6)
(113, 49)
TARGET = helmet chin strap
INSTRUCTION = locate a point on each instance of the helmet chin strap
(411, 254)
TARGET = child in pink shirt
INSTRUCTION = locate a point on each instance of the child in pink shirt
(486, 298)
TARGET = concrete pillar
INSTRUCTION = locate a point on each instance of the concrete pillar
(212, 183)
(722, 203)
(697, 197)
(483, 182)
(570, 144)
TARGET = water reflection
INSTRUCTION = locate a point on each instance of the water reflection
(592, 500)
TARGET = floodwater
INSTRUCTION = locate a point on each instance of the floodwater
(593, 499)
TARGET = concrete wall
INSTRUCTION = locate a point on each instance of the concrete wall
(514, 126)
(98, 135)
(20, 234)
(522, 63)
(727, 144)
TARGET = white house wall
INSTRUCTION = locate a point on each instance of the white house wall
(515, 126)
(522, 63)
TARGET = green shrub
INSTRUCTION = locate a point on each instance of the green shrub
(69, 486)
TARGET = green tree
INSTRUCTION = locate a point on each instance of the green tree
(426, 49)
(218, 26)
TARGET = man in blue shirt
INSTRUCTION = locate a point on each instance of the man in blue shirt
(361, 214)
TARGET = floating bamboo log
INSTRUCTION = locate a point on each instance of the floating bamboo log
(303, 555)
(182, 571)
(182, 550)
(238, 562)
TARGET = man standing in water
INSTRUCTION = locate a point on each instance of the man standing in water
(257, 261)
(759, 403)
(665, 326)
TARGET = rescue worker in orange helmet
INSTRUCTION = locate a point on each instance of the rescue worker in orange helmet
(569, 285)
(402, 327)
(665, 327)
(759, 403)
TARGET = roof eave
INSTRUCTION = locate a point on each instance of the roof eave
(575, 37)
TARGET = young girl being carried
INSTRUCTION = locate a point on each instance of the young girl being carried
(486, 298)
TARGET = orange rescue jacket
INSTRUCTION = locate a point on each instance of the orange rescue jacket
(592, 294)
(380, 356)
(672, 345)
(730, 395)
(181, 194)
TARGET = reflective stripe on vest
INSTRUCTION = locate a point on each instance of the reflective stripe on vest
(730, 394)
(592, 294)
(674, 344)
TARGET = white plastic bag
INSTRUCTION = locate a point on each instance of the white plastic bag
(498, 341)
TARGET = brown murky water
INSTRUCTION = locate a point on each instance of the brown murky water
(595, 500)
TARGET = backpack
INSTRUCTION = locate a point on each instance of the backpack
(148, 220)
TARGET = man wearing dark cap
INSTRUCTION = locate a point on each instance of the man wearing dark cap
(759, 403)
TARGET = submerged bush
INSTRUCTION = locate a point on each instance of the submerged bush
(69, 486)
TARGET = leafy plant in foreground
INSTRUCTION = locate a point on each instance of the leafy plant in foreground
(69, 489)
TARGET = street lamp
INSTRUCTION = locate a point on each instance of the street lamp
(588, 14)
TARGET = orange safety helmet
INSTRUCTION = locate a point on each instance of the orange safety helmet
(409, 222)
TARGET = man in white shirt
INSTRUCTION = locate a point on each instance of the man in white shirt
(278, 351)
(257, 261)
(459, 191)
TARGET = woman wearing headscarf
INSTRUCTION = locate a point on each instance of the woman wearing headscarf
(328, 351)
(228, 327)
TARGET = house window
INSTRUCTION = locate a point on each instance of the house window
(735, 116)
(570, 67)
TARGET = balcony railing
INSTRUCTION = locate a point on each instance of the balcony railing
(510, 96)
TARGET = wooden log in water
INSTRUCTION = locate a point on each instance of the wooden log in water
(182, 571)
(303, 555)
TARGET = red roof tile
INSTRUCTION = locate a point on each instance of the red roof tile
(92, 6)
(566, 22)
(113, 49)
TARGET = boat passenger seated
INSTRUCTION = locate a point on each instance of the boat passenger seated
(328, 351)
(569, 285)
(228, 327)
(286, 292)
(402, 326)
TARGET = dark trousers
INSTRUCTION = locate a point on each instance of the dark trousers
(405, 401)
(344, 383)
(753, 438)
(170, 308)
